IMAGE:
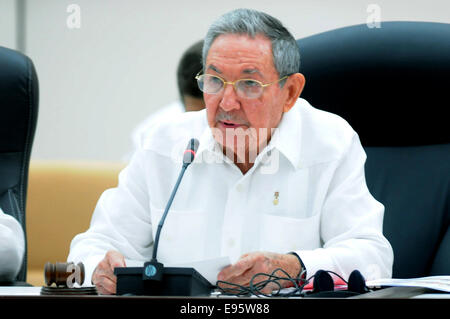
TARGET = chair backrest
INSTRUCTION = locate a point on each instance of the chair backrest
(19, 96)
(61, 198)
(391, 84)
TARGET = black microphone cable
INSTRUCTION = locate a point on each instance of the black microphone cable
(255, 288)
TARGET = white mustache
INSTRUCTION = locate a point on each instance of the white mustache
(227, 117)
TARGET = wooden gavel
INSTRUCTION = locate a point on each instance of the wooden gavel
(64, 274)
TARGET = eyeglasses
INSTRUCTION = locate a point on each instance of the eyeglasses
(245, 88)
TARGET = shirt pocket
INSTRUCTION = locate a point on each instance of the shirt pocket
(284, 234)
(182, 237)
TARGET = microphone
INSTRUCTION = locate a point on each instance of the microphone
(154, 279)
(153, 270)
(189, 153)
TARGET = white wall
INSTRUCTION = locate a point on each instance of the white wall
(7, 24)
(99, 81)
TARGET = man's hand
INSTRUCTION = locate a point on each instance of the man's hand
(260, 262)
(103, 276)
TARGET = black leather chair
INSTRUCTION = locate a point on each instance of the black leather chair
(19, 96)
(392, 85)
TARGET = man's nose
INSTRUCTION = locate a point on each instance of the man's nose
(230, 99)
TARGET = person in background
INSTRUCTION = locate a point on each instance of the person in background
(190, 99)
(12, 247)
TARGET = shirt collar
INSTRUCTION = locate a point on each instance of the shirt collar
(208, 146)
(285, 138)
(207, 141)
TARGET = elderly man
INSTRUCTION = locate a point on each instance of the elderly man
(276, 182)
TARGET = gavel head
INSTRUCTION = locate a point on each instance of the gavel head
(64, 274)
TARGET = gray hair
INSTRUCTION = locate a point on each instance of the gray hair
(286, 54)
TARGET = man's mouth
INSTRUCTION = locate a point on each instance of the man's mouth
(227, 124)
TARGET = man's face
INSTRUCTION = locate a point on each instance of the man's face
(233, 57)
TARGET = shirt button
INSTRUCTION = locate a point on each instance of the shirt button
(231, 242)
(239, 187)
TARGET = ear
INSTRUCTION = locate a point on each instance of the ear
(294, 86)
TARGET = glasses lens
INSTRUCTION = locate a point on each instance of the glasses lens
(249, 89)
(209, 83)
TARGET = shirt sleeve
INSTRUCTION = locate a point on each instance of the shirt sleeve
(12, 247)
(121, 222)
(351, 224)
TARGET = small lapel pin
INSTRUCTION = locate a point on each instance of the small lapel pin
(275, 198)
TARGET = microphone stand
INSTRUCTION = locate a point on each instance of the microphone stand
(169, 203)
(154, 279)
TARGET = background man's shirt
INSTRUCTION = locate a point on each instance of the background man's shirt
(164, 114)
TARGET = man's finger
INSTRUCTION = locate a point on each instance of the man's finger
(104, 291)
(237, 269)
(101, 290)
(103, 276)
(106, 286)
(115, 259)
(109, 277)
(247, 276)
(99, 278)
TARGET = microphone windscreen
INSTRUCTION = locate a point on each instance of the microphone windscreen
(323, 281)
(193, 144)
(356, 282)
(191, 149)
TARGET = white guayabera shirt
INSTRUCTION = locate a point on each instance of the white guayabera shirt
(12, 247)
(306, 193)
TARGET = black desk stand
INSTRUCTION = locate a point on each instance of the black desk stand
(175, 282)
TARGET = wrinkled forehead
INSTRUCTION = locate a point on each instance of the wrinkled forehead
(241, 49)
